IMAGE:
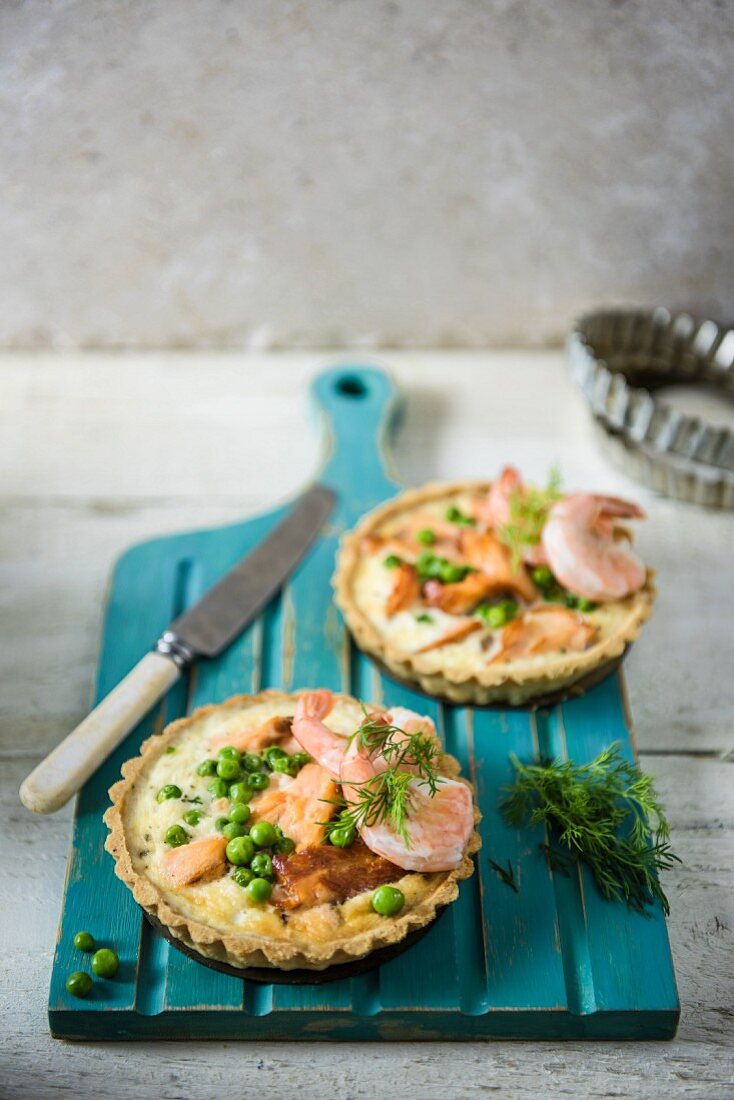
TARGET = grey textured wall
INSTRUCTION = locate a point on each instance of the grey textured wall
(404, 172)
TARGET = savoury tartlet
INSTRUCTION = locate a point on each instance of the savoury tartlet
(254, 852)
(494, 592)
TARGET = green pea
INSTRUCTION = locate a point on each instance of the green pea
(301, 758)
(455, 515)
(229, 769)
(429, 565)
(170, 749)
(220, 822)
(494, 615)
(243, 876)
(586, 604)
(218, 788)
(233, 829)
(241, 791)
(259, 781)
(259, 889)
(251, 762)
(388, 901)
(239, 812)
(105, 963)
(286, 766)
(84, 941)
(392, 561)
(78, 984)
(229, 752)
(284, 846)
(262, 865)
(193, 817)
(175, 836)
(169, 791)
(424, 617)
(240, 850)
(263, 835)
(274, 753)
(452, 573)
(426, 536)
(343, 837)
(207, 767)
(543, 577)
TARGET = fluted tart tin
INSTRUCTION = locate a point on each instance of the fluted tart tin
(619, 358)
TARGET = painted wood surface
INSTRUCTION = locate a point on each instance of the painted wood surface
(99, 451)
(550, 961)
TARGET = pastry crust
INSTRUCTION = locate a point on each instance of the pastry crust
(493, 683)
(426, 894)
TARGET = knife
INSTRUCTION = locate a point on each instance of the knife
(203, 631)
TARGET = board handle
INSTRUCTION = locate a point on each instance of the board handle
(69, 766)
(361, 406)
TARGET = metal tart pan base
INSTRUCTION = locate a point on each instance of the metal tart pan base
(270, 976)
(549, 699)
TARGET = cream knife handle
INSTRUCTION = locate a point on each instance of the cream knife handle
(67, 768)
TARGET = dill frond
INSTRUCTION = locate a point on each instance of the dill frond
(605, 813)
(387, 796)
(529, 507)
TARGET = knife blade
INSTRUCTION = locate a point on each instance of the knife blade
(203, 631)
(226, 609)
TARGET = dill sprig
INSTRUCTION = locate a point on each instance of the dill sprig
(605, 813)
(529, 507)
(507, 876)
(387, 796)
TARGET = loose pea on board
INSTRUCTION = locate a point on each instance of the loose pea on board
(105, 963)
(79, 984)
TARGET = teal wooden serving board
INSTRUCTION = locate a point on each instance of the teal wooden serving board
(553, 960)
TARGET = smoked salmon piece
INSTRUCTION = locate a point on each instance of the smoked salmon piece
(271, 732)
(326, 873)
(545, 630)
(299, 807)
(461, 597)
(456, 634)
(485, 552)
(196, 861)
(406, 589)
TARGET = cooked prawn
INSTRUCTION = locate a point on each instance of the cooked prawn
(495, 510)
(411, 722)
(309, 730)
(547, 629)
(405, 722)
(583, 553)
(438, 825)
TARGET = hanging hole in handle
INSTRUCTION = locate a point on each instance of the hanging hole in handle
(351, 386)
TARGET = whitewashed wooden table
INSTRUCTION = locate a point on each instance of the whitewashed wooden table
(100, 451)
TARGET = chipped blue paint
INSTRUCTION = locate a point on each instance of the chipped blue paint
(553, 961)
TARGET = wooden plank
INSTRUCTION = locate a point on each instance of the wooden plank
(520, 930)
